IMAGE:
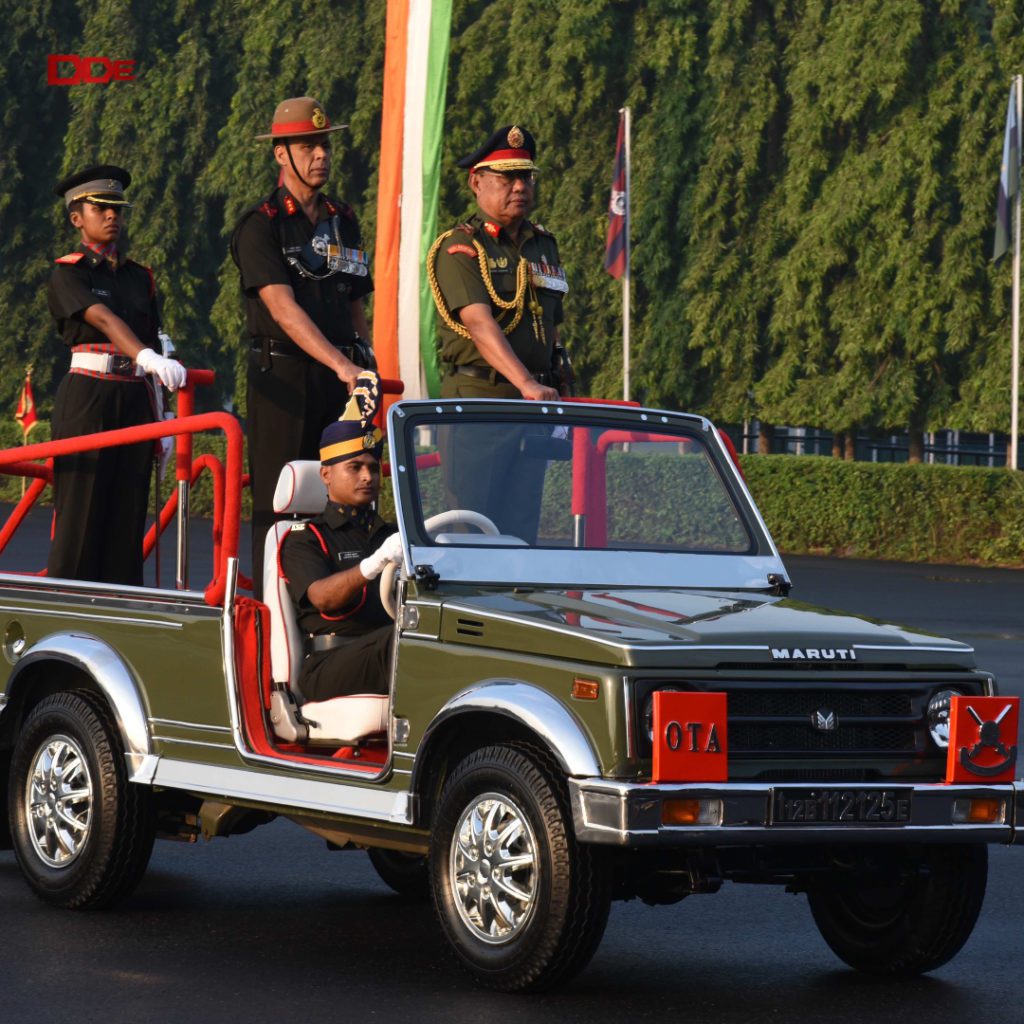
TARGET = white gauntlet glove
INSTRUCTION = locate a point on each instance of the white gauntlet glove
(390, 551)
(170, 372)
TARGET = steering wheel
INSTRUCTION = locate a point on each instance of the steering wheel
(434, 525)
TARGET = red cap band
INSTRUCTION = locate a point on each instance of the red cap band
(291, 127)
(505, 154)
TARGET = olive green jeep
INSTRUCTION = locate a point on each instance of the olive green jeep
(600, 690)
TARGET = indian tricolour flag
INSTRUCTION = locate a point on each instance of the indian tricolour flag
(412, 127)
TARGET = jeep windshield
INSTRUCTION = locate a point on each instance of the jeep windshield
(566, 494)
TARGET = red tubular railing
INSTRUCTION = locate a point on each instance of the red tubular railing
(214, 593)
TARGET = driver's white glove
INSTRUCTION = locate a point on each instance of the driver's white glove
(390, 551)
(171, 373)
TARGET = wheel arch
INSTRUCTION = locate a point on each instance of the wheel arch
(498, 710)
(67, 661)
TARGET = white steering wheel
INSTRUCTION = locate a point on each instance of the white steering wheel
(434, 525)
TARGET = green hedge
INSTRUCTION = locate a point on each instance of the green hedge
(922, 513)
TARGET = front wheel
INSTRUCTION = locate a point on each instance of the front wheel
(523, 905)
(82, 833)
(904, 912)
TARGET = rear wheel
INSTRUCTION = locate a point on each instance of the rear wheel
(523, 905)
(906, 913)
(82, 833)
(406, 873)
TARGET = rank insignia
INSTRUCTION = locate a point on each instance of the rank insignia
(468, 250)
(72, 257)
(515, 137)
(270, 211)
(491, 228)
(291, 206)
(295, 527)
(319, 118)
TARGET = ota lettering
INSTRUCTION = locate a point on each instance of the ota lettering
(70, 69)
(676, 736)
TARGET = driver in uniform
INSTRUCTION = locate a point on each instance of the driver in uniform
(331, 561)
(304, 275)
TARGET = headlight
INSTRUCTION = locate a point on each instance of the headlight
(648, 715)
(938, 717)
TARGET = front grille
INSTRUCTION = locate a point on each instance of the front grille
(766, 738)
(803, 703)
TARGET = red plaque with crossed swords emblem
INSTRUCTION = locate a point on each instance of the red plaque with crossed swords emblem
(982, 739)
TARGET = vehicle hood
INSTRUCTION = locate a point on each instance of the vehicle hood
(683, 627)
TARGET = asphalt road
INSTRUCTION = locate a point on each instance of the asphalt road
(272, 925)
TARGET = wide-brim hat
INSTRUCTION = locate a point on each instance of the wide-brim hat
(508, 149)
(103, 184)
(298, 116)
(355, 433)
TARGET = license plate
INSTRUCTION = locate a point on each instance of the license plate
(840, 806)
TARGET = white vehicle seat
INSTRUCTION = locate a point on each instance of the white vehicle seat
(336, 722)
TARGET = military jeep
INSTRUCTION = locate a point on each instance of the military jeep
(600, 690)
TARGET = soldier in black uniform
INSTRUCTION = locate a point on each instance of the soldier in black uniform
(331, 561)
(498, 286)
(304, 275)
(106, 310)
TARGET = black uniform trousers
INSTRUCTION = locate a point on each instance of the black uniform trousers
(360, 666)
(100, 497)
(289, 404)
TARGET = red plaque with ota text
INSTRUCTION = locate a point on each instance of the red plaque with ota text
(690, 737)
(982, 739)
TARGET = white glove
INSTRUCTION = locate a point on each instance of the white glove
(171, 373)
(390, 551)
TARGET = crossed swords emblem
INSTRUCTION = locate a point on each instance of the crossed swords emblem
(988, 736)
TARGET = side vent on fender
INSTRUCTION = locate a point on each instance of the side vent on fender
(469, 627)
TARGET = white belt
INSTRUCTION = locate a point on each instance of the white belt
(104, 362)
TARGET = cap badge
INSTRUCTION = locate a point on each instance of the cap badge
(114, 186)
(515, 138)
(319, 118)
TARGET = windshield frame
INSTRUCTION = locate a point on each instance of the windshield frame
(554, 567)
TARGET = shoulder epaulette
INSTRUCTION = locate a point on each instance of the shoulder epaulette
(72, 257)
(337, 206)
(541, 230)
(268, 209)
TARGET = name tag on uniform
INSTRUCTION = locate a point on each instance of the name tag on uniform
(101, 291)
(343, 555)
(548, 276)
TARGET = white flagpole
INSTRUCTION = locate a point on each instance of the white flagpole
(625, 276)
(1015, 373)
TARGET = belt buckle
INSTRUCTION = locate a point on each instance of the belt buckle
(123, 366)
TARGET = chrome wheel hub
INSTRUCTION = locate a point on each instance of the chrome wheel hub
(59, 801)
(493, 868)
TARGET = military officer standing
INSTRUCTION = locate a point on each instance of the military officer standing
(106, 310)
(498, 286)
(304, 274)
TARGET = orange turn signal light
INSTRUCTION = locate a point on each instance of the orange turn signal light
(980, 812)
(680, 812)
(586, 689)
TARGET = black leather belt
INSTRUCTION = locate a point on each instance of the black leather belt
(277, 347)
(493, 377)
(326, 642)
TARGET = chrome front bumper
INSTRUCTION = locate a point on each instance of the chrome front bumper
(630, 814)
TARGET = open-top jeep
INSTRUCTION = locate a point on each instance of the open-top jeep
(624, 703)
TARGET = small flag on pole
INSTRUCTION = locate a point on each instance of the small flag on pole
(1009, 178)
(25, 414)
(618, 234)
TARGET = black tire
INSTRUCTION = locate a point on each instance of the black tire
(559, 928)
(906, 912)
(406, 873)
(113, 831)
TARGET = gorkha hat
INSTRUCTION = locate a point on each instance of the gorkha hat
(103, 184)
(355, 433)
(508, 149)
(301, 115)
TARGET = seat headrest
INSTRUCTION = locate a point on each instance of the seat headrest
(299, 488)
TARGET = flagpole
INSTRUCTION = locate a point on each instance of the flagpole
(1015, 373)
(625, 275)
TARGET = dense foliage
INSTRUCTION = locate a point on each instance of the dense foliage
(814, 181)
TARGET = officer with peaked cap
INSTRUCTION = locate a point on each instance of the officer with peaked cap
(331, 561)
(304, 275)
(498, 285)
(106, 310)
